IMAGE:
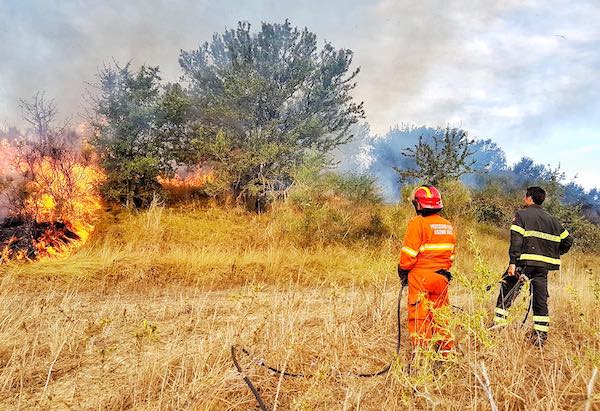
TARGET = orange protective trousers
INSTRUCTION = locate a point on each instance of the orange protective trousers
(427, 292)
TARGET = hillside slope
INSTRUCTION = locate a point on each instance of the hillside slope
(143, 317)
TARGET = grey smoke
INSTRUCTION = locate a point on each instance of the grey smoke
(495, 68)
(403, 47)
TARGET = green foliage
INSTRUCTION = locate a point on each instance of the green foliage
(133, 182)
(494, 205)
(586, 234)
(315, 186)
(140, 131)
(457, 202)
(447, 159)
(325, 206)
(262, 100)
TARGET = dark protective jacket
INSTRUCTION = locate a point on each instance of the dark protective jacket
(537, 239)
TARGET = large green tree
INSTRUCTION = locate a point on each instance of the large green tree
(263, 100)
(140, 131)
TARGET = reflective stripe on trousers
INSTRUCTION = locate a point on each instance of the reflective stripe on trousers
(541, 323)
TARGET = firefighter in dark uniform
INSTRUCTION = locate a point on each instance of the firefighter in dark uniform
(537, 241)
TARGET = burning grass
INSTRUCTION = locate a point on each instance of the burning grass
(144, 314)
(52, 199)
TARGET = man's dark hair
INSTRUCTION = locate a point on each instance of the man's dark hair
(537, 194)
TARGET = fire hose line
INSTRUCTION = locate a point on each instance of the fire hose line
(514, 291)
(384, 370)
(277, 371)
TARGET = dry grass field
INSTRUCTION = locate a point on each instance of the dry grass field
(145, 314)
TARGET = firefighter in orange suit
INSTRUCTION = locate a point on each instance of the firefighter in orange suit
(426, 256)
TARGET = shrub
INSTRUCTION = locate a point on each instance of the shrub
(457, 201)
(139, 131)
(586, 234)
(325, 206)
(493, 205)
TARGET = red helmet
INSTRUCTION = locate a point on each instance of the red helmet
(427, 196)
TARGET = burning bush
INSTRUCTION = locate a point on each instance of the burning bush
(187, 181)
(50, 188)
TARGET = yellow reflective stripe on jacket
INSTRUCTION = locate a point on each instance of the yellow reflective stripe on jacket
(543, 236)
(543, 328)
(541, 318)
(518, 229)
(500, 321)
(539, 234)
(437, 247)
(542, 258)
(409, 251)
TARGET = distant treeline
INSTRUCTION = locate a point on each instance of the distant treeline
(253, 108)
(379, 155)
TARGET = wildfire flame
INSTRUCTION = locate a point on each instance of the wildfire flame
(186, 181)
(48, 192)
(59, 206)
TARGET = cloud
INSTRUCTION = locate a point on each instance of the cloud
(511, 70)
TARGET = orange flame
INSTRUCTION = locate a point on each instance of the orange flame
(61, 197)
(187, 181)
(69, 196)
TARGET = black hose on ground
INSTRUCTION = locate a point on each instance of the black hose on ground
(273, 369)
(261, 403)
(385, 369)
(277, 371)
(515, 289)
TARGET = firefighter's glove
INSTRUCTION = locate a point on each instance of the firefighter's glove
(521, 275)
(446, 274)
(403, 274)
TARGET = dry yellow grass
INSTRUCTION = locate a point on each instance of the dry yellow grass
(143, 317)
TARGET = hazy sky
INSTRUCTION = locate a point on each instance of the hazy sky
(523, 73)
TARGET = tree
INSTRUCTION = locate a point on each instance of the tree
(488, 157)
(527, 172)
(262, 101)
(140, 131)
(55, 178)
(386, 155)
(448, 158)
